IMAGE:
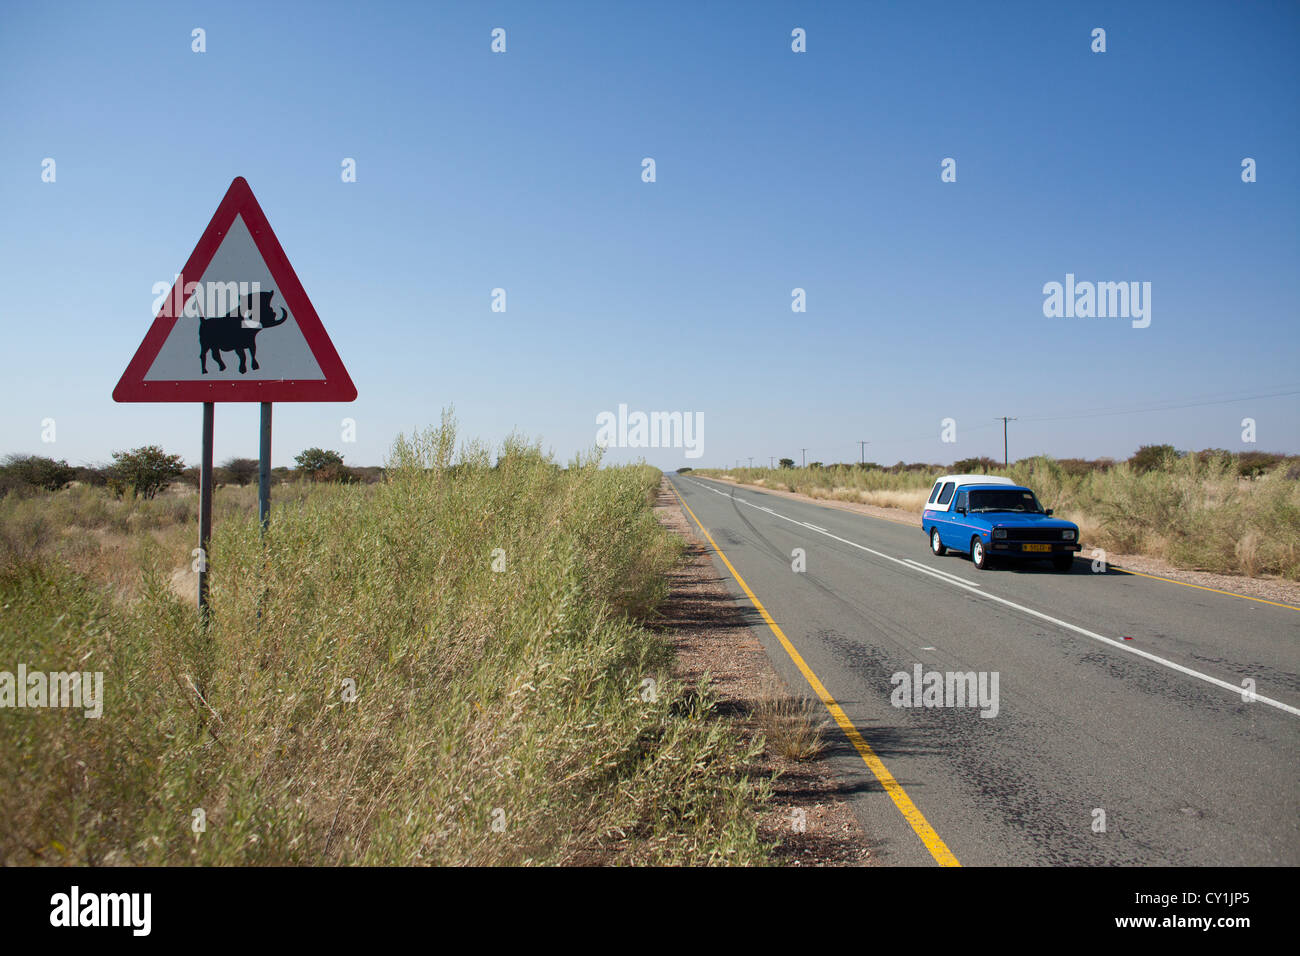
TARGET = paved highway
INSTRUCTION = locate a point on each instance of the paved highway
(1119, 697)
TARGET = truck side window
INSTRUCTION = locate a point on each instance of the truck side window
(945, 496)
(961, 500)
(935, 492)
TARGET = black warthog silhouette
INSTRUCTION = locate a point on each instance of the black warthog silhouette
(230, 333)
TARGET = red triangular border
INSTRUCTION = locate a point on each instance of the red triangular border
(337, 385)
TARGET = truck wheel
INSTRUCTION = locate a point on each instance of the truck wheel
(936, 545)
(978, 556)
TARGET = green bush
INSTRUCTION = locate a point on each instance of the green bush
(143, 471)
(240, 471)
(312, 461)
(974, 466)
(1252, 464)
(35, 473)
(1150, 457)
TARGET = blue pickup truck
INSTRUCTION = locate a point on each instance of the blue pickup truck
(990, 517)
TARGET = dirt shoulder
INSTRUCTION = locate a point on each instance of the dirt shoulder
(1267, 588)
(711, 635)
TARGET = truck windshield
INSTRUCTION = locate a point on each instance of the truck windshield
(1010, 499)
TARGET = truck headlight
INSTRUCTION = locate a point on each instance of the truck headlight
(1067, 535)
(999, 532)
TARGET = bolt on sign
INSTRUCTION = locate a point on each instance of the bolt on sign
(237, 326)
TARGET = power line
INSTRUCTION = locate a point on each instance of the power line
(1159, 406)
(1279, 391)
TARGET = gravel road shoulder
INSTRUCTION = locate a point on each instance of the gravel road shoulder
(711, 634)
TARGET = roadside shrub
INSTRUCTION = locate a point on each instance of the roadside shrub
(339, 474)
(35, 472)
(1078, 467)
(982, 465)
(91, 475)
(240, 471)
(312, 461)
(143, 471)
(1252, 464)
(1150, 457)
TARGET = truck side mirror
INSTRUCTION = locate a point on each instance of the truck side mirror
(1048, 512)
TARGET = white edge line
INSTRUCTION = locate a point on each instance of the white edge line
(950, 576)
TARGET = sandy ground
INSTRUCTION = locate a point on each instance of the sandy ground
(709, 631)
(1274, 589)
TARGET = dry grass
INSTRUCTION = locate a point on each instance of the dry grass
(792, 726)
(907, 500)
(496, 717)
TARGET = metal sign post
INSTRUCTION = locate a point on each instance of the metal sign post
(264, 498)
(264, 470)
(205, 510)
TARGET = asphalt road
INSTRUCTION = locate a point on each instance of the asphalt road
(1185, 771)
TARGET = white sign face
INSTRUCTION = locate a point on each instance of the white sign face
(236, 326)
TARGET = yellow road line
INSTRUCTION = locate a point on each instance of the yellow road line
(838, 506)
(938, 849)
(1244, 597)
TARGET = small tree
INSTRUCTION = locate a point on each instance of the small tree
(1252, 464)
(144, 471)
(36, 472)
(1150, 457)
(340, 474)
(970, 466)
(91, 475)
(314, 461)
(787, 462)
(241, 471)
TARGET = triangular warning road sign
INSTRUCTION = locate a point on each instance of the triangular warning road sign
(237, 326)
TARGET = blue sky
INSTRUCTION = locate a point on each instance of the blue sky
(775, 170)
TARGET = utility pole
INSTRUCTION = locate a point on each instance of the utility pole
(1004, 421)
(862, 448)
(805, 456)
(751, 461)
(771, 462)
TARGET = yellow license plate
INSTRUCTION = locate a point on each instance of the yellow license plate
(1035, 547)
